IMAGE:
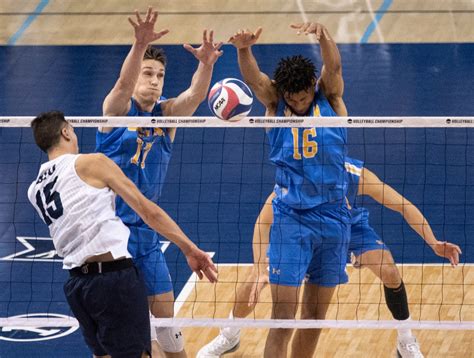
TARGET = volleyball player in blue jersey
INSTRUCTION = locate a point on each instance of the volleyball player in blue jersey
(310, 211)
(144, 153)
(367, 250)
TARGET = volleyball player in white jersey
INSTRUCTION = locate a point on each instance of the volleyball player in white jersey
(75, 196)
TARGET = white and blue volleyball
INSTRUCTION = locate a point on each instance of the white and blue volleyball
(230, 99)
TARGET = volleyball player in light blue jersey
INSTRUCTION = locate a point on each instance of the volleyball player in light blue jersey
(367, 249)
(309, 210)
(144, 153)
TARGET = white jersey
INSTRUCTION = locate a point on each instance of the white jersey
(81, 218)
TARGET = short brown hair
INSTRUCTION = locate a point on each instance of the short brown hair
(47, 129)
(154, 53)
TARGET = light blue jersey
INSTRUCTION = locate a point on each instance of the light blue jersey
(143, 154)
(309, 161)
(363, 237)
(311, 221)
(353, 172)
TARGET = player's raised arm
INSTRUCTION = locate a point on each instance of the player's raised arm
(117, 102)
(258, 81)
(100, 171)
(372, 186)
(331, 80)
(188, 101)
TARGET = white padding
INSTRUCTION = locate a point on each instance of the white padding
(170, 339)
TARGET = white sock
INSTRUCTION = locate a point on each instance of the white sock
(405, 332)
(230, 332)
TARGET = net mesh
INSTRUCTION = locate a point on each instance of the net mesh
(217, 182)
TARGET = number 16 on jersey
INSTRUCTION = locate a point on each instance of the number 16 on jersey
(309, 144)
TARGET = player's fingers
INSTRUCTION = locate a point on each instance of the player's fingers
(253, 292)
(148, 14)
(304, 27)
(210, 274)
(161, 33)
(133, 23)
(312, 28)
(139, 18)
(318, 32)
(258, 32)
(199, 274)
(204, 36)
(218, 46)
(296, 25)
(211, 36)
(154, 17)
(189, 48)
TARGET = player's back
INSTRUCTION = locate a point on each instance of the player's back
(309, 161)
(81, 218)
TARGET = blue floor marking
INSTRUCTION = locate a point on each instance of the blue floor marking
(378, 16)
(16, 36)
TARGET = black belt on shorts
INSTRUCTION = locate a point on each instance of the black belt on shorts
(92, 268)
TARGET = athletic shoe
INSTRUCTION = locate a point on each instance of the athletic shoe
(408, 348)
(219, 346)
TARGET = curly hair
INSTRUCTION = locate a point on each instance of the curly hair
(157, 54)
(294, 74)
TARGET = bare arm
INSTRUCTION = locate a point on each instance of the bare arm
(117, 102)
(372, 186)
(258, 81)
(331, 80)
(99, 171)
(188, 101)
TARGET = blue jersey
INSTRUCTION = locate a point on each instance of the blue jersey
(353, 173)
(309, 161)
(143, 154)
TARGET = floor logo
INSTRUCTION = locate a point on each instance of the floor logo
(41, 249)
(17, 331)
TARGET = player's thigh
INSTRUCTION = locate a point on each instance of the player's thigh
(162, 305)
(155, 272)
(382, 264)
(316, 300)
(285, 301)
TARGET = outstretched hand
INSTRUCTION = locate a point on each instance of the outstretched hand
(202, 265)
(310, 28)
(243, 39)
(260, 280)
(449, 251)
(208, 52)
(145, 30)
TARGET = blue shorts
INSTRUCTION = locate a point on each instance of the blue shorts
(150, 260)
(299, 237)
(364, 238)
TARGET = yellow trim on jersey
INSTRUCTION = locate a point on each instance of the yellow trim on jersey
(351, 168)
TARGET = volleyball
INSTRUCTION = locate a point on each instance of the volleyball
(230, 99)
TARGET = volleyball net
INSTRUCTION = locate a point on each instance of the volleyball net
(218, 180)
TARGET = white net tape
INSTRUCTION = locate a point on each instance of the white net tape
(257, 122)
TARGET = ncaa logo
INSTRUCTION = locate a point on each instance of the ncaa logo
(36, 333)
